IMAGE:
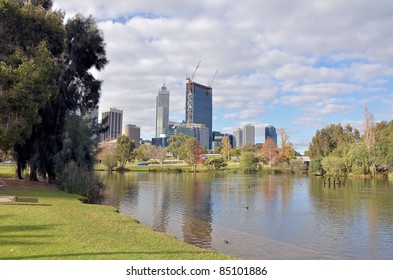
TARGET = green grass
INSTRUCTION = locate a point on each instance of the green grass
(59, 226)
(7, 170)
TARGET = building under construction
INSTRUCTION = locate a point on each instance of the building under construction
(199, 106)
(199, 103)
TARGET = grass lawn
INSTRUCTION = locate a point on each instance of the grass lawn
(7, 170)
(59, 226)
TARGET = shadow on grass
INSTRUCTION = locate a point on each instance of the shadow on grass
(88, 255)
(23, 236)
(23, 243)
(24, 204)
(22, 228)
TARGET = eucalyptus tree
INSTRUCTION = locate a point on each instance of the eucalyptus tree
(124, 150)
(79, 91)
(31, 41)
(329, 138)
(44, 78)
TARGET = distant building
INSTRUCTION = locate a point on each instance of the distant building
(270, 132)
(113, 119)
(198, 131)
(199, 106)
(238, 135)
(248, 134)
(133, 132)
(160, 141)
(162, 111)
(216, 145)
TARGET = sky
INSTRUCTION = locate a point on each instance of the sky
(293, 64)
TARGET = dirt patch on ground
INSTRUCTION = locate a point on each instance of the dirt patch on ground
(9, 184)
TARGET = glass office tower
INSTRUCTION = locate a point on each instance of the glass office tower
(270, 132)
(199, 107)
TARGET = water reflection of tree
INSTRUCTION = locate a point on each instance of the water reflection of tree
(275, 187)
(360, 208)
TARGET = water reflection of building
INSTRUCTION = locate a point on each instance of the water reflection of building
(161, 203)
(198, 211)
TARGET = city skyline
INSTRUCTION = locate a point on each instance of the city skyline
(299, 65)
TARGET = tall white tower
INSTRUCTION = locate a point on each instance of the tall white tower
(248, 134)
(162, 111)
(238, 134)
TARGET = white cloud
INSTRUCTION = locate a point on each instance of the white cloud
(315, 55)
(308, 121)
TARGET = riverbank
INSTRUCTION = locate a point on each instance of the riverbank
(60, 226)
(174, 168)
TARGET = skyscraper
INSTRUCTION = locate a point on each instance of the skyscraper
(248, 134)
(238, 135)
(162, 111)
(199, 106)
(270, 132)
(113, 119)
(133, 132)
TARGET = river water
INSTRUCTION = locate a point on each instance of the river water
(262, 216)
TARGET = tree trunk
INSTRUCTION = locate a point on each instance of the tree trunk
(33, 173)
(19, 170)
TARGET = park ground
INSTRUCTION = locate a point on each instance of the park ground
(60, 226)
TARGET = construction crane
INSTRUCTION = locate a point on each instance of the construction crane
(189, 94)
(210, 84)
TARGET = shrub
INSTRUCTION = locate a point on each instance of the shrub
(334, 165)
(315, 167)
(249, 163)
(110, 161)
(216, 163)
(79, 180)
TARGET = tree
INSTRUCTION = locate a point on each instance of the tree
(176, 145)
(249, 148)
(109, 160)
(286, 152)
(226, 148)
(193, 153)
(269, 151)
(315, 167)
(329, 138)
(31, 41)
(78, 91)
(368, 129)
(25, 89)
(215, 163)
(155, 153)
(123, 151)
(357, 158)
(141, 154)
(161, 154)
(249, 162)
(236, 152)
(383, 148)
(334, 165)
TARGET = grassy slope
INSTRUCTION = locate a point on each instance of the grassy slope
(59, 226)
